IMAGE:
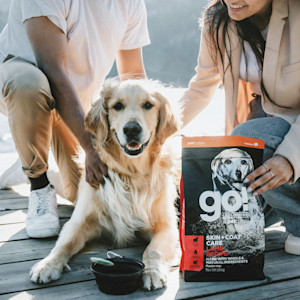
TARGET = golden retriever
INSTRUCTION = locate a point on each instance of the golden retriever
(131, 123)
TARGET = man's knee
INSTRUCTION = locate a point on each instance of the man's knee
(29, 87)
(271, 130)
(263, 128)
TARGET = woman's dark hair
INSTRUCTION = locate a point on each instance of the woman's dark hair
(218, 19)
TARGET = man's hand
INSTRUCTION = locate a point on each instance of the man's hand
(94, 167)
(271, 174)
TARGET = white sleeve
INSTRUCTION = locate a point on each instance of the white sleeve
(54, 10)
(136, 35)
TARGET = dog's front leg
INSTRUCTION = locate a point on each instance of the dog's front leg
(158, 257)
(73, 237)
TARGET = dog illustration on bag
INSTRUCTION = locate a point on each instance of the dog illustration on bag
(229, 169)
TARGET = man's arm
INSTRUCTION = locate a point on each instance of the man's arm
(49, 44)
(130, 64)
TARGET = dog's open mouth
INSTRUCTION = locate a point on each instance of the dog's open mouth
(133, 148)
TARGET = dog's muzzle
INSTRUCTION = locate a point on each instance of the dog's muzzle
(133, 132)
(231, 180)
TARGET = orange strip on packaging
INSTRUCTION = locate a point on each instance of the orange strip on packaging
(222, 141)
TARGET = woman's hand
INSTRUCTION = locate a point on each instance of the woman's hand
(271, 174)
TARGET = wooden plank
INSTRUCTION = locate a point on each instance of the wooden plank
(33, 249)
(83, 290)
(22, 190)
(12, 232)
(88, 290)
(21, 202)
(12, 216)
(6, 192)
(19, 216)
(279, 266)
(281, 290)
(10, 195)
(15, 276)
(20, 253)
(15, 232)
(21, 248)
(13, 203)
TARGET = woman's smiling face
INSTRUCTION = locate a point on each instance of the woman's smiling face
(239, 10)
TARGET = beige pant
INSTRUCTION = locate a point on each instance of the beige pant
(26, 99)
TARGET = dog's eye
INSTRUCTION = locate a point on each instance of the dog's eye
(227, 161)
(147, 105)
(244, 162)
(118, 106)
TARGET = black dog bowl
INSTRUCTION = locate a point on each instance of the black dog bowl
(122, 278)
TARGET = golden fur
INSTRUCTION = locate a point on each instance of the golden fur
(140, 191)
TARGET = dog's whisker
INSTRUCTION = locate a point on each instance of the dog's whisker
(107, 141)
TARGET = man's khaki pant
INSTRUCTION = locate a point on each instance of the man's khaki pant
(26, 99)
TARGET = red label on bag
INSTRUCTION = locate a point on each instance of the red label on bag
(194, 252)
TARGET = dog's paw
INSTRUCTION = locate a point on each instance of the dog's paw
(154, 279)
(45, 271)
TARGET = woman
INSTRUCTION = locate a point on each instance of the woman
(252, 47)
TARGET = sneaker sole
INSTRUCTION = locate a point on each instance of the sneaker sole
(292, 249)
(49, 232)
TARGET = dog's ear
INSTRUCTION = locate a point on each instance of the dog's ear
(96, 121)
(168, 124)
(250, 165)
(215, 164)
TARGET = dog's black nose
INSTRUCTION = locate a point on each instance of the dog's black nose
(238, 174)
(132, 129)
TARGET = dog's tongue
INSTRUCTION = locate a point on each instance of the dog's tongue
(133, 146)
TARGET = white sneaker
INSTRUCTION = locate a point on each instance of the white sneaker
(292, 245)
(42, 217)
(12, 176)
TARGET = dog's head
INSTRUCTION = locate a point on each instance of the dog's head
(133, 114)
(231, 166)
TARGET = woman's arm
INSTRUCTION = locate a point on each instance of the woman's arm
(205, 82)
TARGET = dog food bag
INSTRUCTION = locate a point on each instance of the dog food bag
(221, 224)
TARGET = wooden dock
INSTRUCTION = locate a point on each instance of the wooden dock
(18, 253)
